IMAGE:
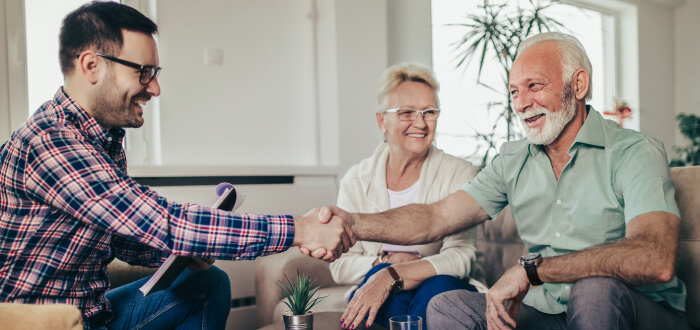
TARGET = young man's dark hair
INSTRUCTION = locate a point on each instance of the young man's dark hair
(99, 25)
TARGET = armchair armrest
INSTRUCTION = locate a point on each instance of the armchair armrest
(121, 273)
(29, 316)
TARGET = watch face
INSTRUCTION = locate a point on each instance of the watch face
(530, 256)
(397, 285)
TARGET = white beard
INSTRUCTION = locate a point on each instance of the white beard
(554, 121)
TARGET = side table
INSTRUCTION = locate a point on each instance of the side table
(323, 321)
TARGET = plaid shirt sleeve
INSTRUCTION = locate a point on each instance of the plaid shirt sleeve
(71, 174)
(136, 253)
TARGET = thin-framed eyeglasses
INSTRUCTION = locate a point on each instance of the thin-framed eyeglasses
(148, 72)
(408, 114)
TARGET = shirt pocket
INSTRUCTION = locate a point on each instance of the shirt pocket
(586, 230)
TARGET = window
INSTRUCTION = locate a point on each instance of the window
(471, 109)
(255, 98)
(43, 20)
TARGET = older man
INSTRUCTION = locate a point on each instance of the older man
(68, 207)
(593, 203)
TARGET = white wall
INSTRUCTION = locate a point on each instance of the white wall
(5, 127)
(258, 98)
(687, 54)
(410, 31)
(362, 56)
(288, 93)
(656, 72)
(13, 83)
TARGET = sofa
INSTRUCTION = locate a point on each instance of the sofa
(499, 246)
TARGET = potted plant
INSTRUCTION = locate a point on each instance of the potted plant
(689, 125)
(300, 299)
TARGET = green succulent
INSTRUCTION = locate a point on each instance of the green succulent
(300, 294)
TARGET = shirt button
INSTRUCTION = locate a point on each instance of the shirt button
(557, 234)
(110, 140)
(566, 287)
(558, 201)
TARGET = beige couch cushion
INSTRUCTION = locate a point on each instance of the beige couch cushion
(687, 182)
(25, 316)
(121, 273)
(499, 245)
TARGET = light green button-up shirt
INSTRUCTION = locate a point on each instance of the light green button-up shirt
(614, 175)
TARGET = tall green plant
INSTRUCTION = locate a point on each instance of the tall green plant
(300, 294)
(495, 31)
(689, 125)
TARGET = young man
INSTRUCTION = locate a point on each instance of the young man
(593, 203)
(68, 207)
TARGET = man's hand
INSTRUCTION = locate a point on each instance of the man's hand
(367, 300)
(328, 238)
(326, 214)
(513, 286)
(200, 264)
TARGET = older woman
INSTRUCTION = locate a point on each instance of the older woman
(406, 168)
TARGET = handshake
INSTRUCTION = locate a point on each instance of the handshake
(325, 233)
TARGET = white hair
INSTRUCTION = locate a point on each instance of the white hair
(573, 55)
(396, 74)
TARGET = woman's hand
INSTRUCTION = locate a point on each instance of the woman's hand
(367, 300)
(397, 258)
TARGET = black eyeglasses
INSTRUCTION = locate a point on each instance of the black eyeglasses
(148, 72)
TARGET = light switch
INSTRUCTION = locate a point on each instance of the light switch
(214, 56)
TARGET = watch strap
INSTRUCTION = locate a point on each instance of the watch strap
(531, 271)
(397, 284)
(393, 273)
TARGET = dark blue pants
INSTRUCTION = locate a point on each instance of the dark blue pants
(414, 302)
(196, 300)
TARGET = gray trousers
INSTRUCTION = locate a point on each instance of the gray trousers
(594, 303)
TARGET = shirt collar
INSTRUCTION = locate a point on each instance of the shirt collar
(83, 120)
(591, 132)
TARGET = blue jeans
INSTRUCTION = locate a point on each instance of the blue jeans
(594, 303)
(196, 300)
(414, 302)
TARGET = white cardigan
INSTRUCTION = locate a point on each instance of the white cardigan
(364, 190)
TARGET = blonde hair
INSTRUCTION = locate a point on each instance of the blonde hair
(396, 74)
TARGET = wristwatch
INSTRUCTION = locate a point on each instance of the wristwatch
(397, 283)
(530, 261)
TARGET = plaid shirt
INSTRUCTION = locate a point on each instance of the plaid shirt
(67, 208)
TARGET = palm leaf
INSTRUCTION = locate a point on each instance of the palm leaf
(495, 31)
